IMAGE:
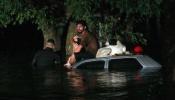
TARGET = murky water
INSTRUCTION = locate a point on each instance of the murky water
(22, 82)
(102, 85)
(19, 81)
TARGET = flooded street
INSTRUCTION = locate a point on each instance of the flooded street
(142, 26)
(20, 81)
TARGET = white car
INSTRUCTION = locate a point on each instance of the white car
(119, 62)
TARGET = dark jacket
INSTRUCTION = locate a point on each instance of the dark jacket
(46, 57)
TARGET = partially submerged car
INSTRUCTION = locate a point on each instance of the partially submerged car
(119, 62)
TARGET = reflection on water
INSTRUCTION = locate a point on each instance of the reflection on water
(113, 79)
(20, 81)
(103, 84)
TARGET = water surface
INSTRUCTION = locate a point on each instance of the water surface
(21, 81)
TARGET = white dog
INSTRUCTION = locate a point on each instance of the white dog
(111, 50)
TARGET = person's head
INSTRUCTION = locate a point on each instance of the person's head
(81, 26)
(50, 43)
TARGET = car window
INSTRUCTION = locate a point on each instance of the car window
(92, 65)
(126, 63)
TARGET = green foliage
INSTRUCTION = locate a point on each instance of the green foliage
(110, 18)
(83, 9)
(136, 37)
(114, 17)
(45, 14)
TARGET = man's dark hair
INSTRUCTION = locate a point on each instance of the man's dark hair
(82, 22)
(51, 41)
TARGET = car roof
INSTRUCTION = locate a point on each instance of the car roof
(144, 60)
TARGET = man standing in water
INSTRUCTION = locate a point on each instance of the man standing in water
(84, 44)
(47, 56)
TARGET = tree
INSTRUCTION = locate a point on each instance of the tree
(47, 14)
(109, 18)
(114, 18)
(18, 11)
